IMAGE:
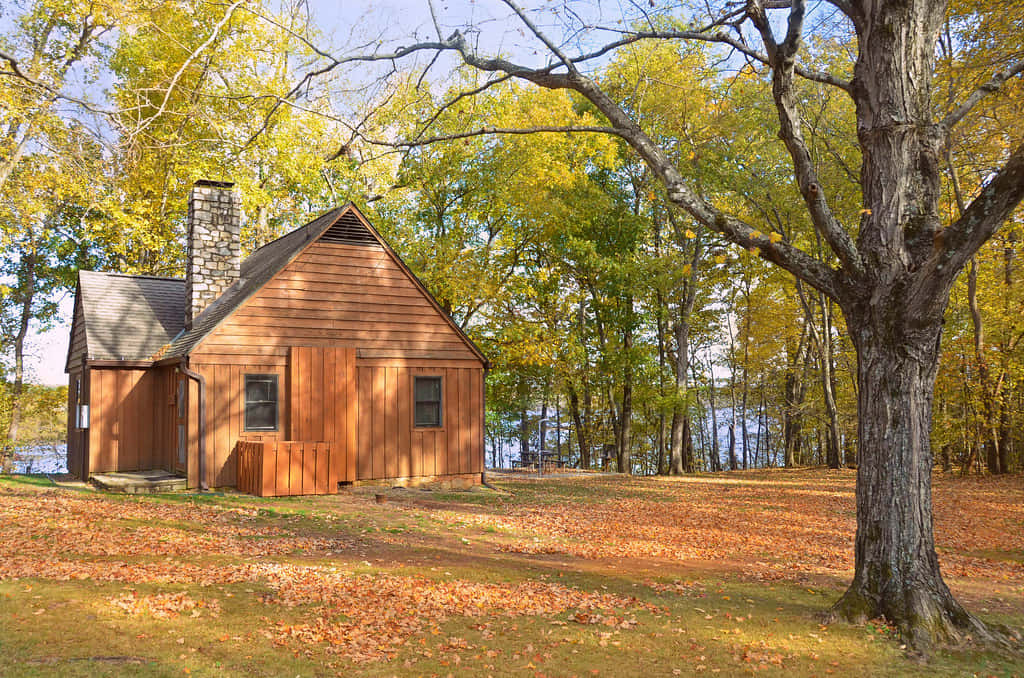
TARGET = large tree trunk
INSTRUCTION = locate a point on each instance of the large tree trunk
(896, 568)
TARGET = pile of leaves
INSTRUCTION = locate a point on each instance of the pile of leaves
(368, 617)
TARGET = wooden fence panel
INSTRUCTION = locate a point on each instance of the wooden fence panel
(281, 468)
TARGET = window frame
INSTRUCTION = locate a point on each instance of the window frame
(440, 402)
(271, 378)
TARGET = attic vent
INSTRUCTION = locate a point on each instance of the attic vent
(348, 230)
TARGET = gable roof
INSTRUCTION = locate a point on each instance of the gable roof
(132, 317)
(344, 224)
(129, 317)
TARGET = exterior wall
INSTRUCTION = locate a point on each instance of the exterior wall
(76, 444)
(336, 295)
(77, 347)
(391, 446)
(356, 297)
(130, 425)
(225, 418)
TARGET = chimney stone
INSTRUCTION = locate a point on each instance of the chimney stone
(214, 247)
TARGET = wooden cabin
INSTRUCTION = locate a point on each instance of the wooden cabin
(321, 355)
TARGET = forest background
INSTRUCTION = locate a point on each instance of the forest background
(603, 308)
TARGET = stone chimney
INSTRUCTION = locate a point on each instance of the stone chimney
(214, 225)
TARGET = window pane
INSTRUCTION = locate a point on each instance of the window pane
(261, 416)
(428, 414)
(261, 402)
(428, 388)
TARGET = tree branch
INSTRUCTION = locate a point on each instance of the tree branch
(984, 90)
(783, 57)
(959, 241)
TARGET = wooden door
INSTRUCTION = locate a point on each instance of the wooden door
(180, 455)
(322, 403)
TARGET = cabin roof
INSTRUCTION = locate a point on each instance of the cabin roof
(129, 317)
(132, 317)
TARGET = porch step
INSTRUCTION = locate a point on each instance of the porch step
(140, 482)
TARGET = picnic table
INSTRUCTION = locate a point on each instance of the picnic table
(529, 460)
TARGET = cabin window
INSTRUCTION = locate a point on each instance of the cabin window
(261, 402)
(427, 396)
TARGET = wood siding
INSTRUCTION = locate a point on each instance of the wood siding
(335, 295)
(276, 468)
(225, 418)
(391, 446)
(131, 425)
(337, 310)
(76, 446)
(77, 348)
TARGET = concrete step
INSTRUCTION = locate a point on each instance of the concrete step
(140, 482)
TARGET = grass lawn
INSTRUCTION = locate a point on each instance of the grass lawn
(720, 574)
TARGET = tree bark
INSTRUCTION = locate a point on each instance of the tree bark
(896, 568)
(581, 430)
(828, 385)
(716, 459)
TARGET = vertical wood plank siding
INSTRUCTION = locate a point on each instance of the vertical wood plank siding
(130, 419)
(391, 446)
(274, 468)
(346, 329)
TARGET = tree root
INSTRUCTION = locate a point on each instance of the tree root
(926, 620)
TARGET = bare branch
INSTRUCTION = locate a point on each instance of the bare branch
(566, 61)
(17, 73)
(984, 90)
(783, 56)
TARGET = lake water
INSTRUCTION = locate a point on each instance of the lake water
(42, 459)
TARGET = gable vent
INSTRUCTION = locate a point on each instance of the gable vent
(349, 230)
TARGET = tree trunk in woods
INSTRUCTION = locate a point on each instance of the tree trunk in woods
(794, 392)
(28, 293)
(716, 460)
(678, 462)
(524, 423)
(828, 384)
(625, 441)
(581, 429)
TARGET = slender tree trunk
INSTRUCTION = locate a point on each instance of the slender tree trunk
(828, 384)
(524, 422)
(716, 459)
(27, 294)
(680, 421)
(626, 415)
(581, 429)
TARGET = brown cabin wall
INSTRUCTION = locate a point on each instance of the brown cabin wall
(225, 421)
(77, 347)
(75, 435)
(387, 443)
(335, 295)
(128, 427)
(391, 446)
